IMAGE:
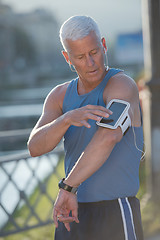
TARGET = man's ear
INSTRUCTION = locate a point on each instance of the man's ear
(104, 44)
(65, 55)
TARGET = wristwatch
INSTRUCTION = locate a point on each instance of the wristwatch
(67, 187)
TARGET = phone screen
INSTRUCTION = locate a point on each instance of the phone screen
(117, 108)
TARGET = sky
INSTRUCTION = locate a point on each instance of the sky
(112, 16)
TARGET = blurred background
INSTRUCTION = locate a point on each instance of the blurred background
(31, 64)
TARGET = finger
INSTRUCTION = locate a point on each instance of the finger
(66, 219)
(67, 226)
(92, 115)
(98, 114)
(85, 123)
(55, 218)
(75, 215)
(109, 111)
(97, 107)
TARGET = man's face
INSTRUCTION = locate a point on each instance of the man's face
(87, 56)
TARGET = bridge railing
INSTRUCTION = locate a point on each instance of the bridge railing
(28, 188)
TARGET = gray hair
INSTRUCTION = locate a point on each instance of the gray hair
(78, 27)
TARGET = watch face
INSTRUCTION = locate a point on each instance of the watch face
(67, 188)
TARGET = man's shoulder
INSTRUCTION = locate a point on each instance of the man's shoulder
(121, 86)
(61, 88)
(56, 95)
(59, 91)
(122, 79)
(122, 82)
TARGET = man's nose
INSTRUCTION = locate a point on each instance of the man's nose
(89, 60)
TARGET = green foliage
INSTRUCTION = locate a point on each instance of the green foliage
(150, 210)
(142, 178)
(151, 218)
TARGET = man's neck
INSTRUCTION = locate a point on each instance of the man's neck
(84, 87)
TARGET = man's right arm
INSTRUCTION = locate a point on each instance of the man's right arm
(53, 124)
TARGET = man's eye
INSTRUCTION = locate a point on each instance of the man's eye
(94, 52)
(80, 57)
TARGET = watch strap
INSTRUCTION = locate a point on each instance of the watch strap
(67, 187)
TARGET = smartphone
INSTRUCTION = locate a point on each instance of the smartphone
(120, 116)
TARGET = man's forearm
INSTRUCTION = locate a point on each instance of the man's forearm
(45, 138)
(95, 154)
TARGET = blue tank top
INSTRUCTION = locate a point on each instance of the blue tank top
(119, 175)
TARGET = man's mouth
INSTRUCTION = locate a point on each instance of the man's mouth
(93, 72)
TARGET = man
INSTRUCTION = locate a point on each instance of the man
(102, 163)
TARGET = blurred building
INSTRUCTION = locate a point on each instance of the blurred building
(29, 47)
(42, 29)
(129, 52)
(6, 48)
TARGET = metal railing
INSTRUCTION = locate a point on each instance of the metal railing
(26, 185)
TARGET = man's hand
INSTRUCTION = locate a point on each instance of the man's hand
(65, 203)
(79, 117)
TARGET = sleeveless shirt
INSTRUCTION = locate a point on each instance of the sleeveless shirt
(119, 175)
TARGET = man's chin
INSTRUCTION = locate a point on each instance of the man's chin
(97, 76)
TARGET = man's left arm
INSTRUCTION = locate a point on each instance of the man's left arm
(95, 154)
